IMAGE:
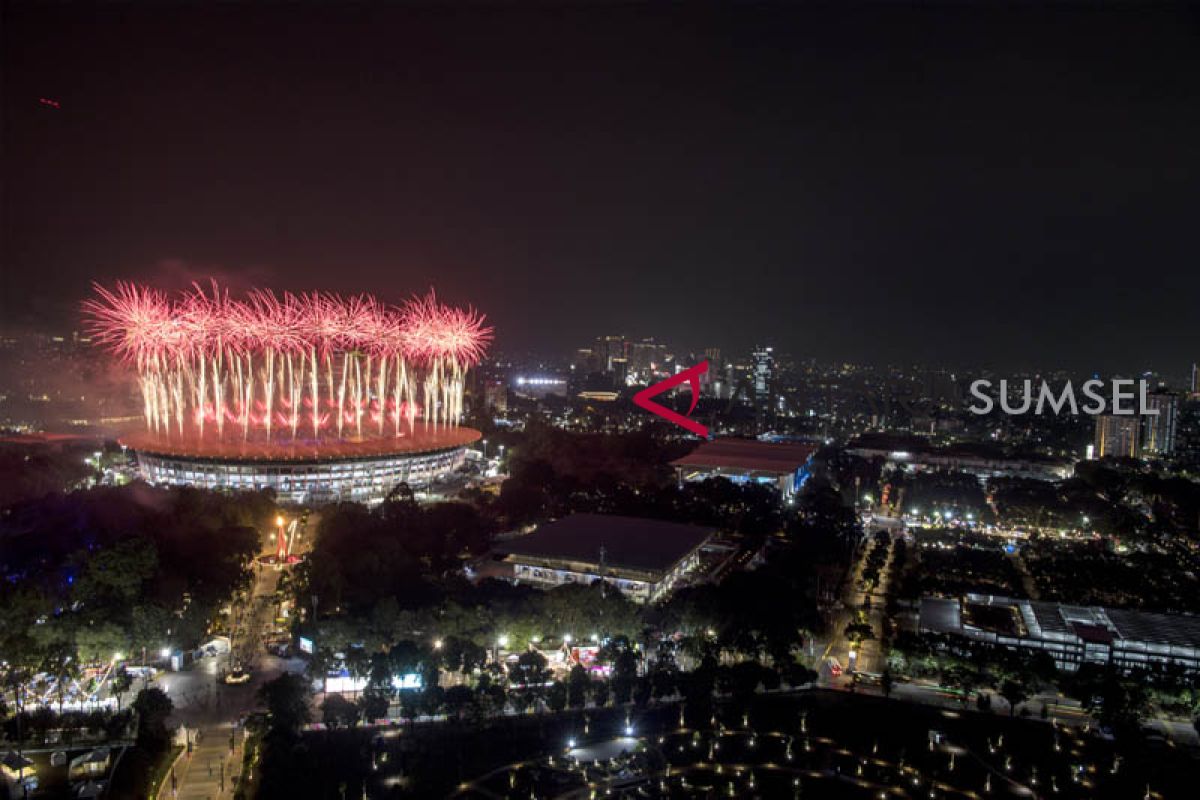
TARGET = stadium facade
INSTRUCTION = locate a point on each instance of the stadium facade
(307, 474)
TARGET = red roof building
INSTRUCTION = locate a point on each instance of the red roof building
(747, 460)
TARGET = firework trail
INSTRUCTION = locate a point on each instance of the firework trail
(281, 366)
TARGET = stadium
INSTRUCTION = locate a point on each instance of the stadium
(318, 397)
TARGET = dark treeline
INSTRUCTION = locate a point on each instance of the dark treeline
(113, 570)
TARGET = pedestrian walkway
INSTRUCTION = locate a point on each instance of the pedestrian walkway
(208, 772)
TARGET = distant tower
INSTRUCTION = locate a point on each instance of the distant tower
(763, 377)
(1195, 387)
(607, 349)
(1117, 435)
(1158, 430)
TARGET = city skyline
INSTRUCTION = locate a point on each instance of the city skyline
(538, 399)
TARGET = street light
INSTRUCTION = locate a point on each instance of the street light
(503, 641)
(279, 521)
(567, 638)
(166, 651)
(437, 644)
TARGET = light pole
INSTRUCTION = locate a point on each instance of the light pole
(502, 642)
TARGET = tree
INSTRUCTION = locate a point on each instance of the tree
(856, 632)
(462, 655)
(963, 678)
(458, 700)
(577, 686)
(1015, 691)
(798, 675)
(122, 681)
(744, 678)
(153, 707)
(491, 694)
(338, 711)
(600, 693)
(643, 690)
(286, 701)
(100, 641)
(556, 696)
(374, 703)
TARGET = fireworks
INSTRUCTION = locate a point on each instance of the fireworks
(310, 365)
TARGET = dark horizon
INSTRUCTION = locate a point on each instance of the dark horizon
(989, 186)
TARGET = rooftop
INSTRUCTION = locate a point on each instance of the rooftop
(916, 445)
(750, 455)
(629, 542)
(420, 439)
(1059, 620)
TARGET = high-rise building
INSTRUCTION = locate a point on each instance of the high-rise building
(585, 361)
(495, 395)
(619, 368)
(606, 349)
(762, 361)
(1117, 435)
(1195, 387)
(1158, 430)
(647, 358)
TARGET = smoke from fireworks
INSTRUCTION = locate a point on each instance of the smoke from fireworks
(311, 365)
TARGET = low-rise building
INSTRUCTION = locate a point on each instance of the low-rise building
(644, 558)
(1072, 635)
(782, 464)
(984, 461)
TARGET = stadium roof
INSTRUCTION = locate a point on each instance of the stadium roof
(629, 542)
(749, 455)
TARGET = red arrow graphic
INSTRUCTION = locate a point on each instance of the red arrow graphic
(691, 375)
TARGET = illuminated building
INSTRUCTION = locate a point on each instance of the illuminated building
(318, 397)
(1117, 435)
(647, 359)
(644, 558)
(783, 465)
(763, 377)
(608, 348)
(1072, 635)
(539, 386)
(304, 473)
(495, 395)
(1158, 430)
(984, 461)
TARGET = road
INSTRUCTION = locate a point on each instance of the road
(211, 710)
(869, 657)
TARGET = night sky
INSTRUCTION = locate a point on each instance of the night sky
(945, 185)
